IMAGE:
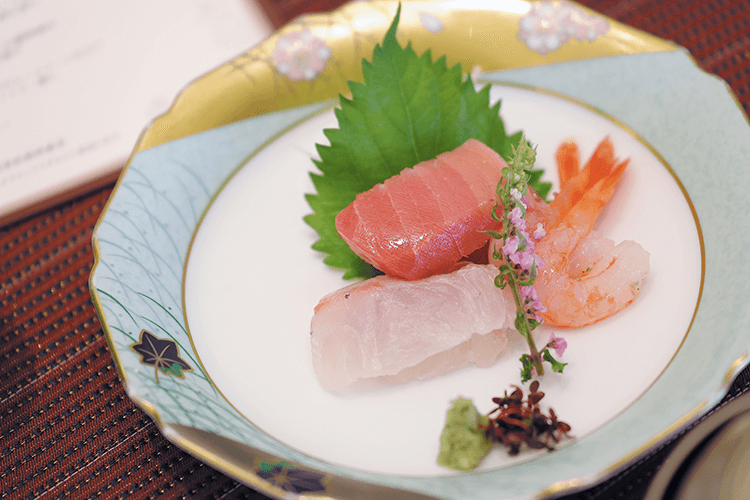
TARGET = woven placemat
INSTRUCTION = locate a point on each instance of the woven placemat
(67, 428)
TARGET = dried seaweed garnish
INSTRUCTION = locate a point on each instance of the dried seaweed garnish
(516, 421)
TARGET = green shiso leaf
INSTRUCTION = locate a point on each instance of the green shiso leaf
(409, 109)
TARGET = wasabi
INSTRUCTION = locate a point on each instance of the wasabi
(463, 444)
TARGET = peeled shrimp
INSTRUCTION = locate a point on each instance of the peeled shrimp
(586, 278)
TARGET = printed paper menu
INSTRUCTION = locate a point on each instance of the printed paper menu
(80, 80)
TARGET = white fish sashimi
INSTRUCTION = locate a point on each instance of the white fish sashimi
(406, 330)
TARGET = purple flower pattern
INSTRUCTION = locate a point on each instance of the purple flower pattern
(162, 354)
(550, 24)
(300, 55)
(290, 478)
(431, 22)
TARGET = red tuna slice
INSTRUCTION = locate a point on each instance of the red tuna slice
(424, 220)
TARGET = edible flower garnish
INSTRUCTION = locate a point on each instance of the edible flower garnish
(519, 264)
(515, 422)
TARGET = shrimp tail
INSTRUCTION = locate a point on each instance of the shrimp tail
(568, 162)
(575, 181)
(584, 213)
(601, 162)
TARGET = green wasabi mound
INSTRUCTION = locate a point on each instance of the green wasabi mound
(462, 443)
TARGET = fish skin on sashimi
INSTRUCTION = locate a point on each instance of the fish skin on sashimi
(386, 327)
(425, 219)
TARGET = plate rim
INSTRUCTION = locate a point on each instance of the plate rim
(169, 430)
(525, 87)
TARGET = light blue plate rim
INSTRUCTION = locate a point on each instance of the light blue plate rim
(689, 117)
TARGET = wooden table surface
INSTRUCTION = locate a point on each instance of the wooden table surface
(67, 428)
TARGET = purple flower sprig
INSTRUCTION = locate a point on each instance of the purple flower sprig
(519, 264)
(558, 344)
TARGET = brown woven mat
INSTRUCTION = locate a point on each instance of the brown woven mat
(67, 428)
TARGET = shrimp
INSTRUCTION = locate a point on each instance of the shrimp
(585, 277)
(574, 181)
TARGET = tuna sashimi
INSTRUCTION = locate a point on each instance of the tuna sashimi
(406, 330)
(424, 220)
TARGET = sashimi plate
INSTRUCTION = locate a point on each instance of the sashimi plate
(205, 281)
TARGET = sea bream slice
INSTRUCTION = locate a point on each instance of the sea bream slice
(408, 330)
(425, 219)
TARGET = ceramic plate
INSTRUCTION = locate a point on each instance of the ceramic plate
(205, 281)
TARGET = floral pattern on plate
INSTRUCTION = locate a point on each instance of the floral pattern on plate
(162, 354)
(290, 478)
(300, 55)
(143, 238)
(549, 25)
